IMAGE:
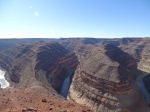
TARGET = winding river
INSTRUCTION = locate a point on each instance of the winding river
(65, 87)
(3, 82)
(142, 86)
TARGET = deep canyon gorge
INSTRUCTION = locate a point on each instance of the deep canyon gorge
(86, 74)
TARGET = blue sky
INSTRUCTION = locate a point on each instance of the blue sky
(74, 18)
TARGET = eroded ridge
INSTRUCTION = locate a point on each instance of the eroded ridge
(109, 86)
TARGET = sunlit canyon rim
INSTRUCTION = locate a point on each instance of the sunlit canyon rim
(87, 74)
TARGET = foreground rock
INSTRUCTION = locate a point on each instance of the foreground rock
(28, 100)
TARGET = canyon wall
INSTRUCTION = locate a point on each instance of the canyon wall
(104, 70)
(104, 81)
(140, 49)
(41, 66)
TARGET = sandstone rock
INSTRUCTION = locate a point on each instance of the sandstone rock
(107, 81)
(105, 70)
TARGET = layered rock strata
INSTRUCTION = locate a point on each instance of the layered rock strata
(104, 81)
(62, 69)
(104, 76)
(38, 65)
(140, 49)
(144, 63)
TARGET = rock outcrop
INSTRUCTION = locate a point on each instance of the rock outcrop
(144, 63)
(62, 69)
(140, 49)
(38, 65)
(106, 75)
(103, 72)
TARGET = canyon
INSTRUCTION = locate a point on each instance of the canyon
(92, 74)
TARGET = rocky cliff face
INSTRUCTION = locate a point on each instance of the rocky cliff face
(140, 49)
(38, 65)
(144, 63)
(106, 75)
(103, 70)
(62, 69)
(41, 68)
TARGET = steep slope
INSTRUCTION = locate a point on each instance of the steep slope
(107, 78)
(38, 65)
(140, 49)
(143, 48)
(103, 74)
(62, 69)
(41, 67)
